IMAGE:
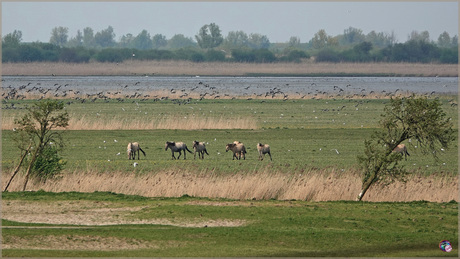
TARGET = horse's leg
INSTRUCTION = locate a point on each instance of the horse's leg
(184, 154)
(180, 153)
(138, 154)
(270, 156)
(172, 154)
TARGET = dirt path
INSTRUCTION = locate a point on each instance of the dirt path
(92, 213)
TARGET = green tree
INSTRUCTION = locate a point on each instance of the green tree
(209, 36)
(258, 41)
(236, 39)
(423, 36)
(159, 41)
(88, 38)
(321, 40)
(294, 42)
(36, 134)
(444, 40)
(105, 38)
(12, 39)
(351, 36)
(414, 118)
(126, 41)
(180, 41)
(380, 39)
(59, 36)
(142, 40)
(76, 41)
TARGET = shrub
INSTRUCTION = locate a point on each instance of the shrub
(48, 164)
(327, 55)
(214, 55)
(109, 55)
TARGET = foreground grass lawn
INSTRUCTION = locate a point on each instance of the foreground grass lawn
(163, 227)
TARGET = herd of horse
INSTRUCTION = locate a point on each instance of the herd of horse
(238, 149)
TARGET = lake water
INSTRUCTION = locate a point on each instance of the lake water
(232, 86)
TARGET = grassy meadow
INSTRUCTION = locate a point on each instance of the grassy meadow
(307, 137)
(104, 206)
(115, 225)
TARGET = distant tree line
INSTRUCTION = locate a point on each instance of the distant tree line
(210, 45)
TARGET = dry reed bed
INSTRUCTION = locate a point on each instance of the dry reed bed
(314, 185)
(175, 122)
(176, 68)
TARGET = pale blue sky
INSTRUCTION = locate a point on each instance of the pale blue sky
(277, 20)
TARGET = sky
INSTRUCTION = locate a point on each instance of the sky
(279, 21)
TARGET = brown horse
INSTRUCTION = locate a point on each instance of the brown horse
(238, 150)
(199, 147)
(176, 147)
(401, 149)
(132, 148)
(263, 149)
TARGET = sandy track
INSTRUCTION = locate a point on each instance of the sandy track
(92, 213)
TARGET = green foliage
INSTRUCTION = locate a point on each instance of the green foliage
(12, 39)
(422, 122)
(35, 130)
(328, 55)
(109, 55)
(59, 36)
(209, 36)
(48, 164)
(253, 55)
(412, 51)
(214, 55)
(449, 56)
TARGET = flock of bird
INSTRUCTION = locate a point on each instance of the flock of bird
(183, 95)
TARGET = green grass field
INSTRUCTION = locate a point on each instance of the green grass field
(248, 228)
(304, 135)
(301, 133)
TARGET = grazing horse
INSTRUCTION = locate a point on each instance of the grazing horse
(238, 150)
(263, 149)
(200, 148)
(176, 147)
(132, 148)
(401, 149)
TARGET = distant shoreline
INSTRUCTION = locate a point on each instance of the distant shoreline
(185, 68)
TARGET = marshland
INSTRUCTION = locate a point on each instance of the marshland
(103, 205)
(314, 125)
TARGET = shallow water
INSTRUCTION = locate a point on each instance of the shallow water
(233, 86)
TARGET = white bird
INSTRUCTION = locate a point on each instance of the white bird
(135, 164)
(336, 151)
(118, 154)
(115, 140)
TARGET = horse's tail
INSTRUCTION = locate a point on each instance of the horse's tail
(142, 150)
(206, 151)
(407, 153)
(186, 148)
